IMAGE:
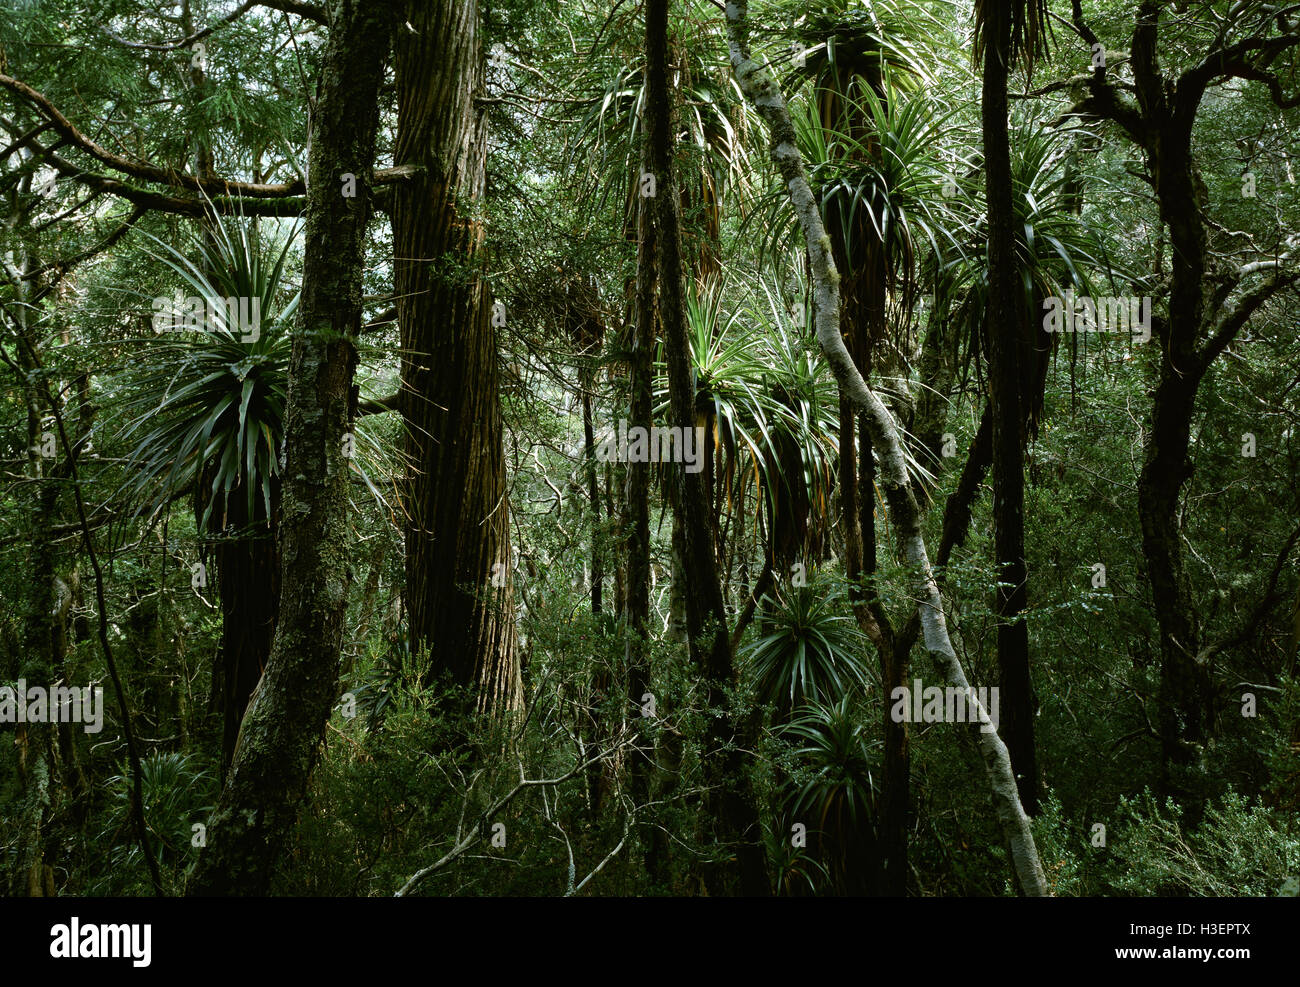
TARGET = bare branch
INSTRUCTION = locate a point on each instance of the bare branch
(472, 836)
(62, 267)
(379, 406)
(627, 827)
(307, 11)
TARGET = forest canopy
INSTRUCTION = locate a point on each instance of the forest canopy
(667, 447)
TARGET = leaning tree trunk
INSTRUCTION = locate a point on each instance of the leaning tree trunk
(458, 582)
(281, 735)
(761, 89)
(729, 803)
(1005, 331)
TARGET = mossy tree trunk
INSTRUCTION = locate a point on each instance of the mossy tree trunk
(249, 578)
(282, 731)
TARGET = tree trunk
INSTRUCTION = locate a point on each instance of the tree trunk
(936, 371)
(729, 803)
(282, 732)
(248, 570)
(1006, 333)
(593, 496)
(596, 773)
(1185, 718)
(858, 524)
(637, 532)
(458, 580)
(896, 781)
(35, 743)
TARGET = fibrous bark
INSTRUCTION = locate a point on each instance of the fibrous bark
(459, 587)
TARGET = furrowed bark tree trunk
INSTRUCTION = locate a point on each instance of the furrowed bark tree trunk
(729, 802)
(761, 89)
(282, 732)
(1007, 354)
(458, 581)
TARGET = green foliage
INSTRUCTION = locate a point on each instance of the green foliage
(879, 176)
(1240, 848)
(1054, 250)
(808, 650)
(610, 96)
(392, 669)
(176, 790)
(797, 870)
(761, 385)
(886, 110)
(206, 408)
(836, 786)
